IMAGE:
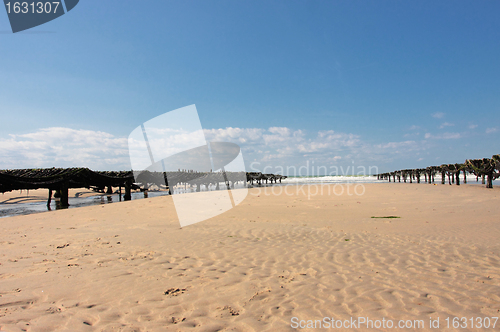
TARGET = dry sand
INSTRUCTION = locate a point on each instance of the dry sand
(130, 267)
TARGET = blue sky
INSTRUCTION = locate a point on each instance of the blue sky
(392, 84)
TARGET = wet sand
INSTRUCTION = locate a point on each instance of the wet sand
(40, 195)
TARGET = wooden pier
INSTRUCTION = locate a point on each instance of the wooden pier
(60, 180)
(488, 169)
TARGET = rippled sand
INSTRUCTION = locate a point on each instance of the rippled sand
(130, 267)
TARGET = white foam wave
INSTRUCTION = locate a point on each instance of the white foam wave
(331, 179)
(366, 179)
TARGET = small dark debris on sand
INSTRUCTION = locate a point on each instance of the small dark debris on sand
(175, 291)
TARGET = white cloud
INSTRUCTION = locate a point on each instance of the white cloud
(438, 115)
(444, 136)
(491, 130)
(473, 126)
(397, 145)
(451, 136)
(446, 124)
(242, 135)
(64, 147)
(283, 131)
(284, 142)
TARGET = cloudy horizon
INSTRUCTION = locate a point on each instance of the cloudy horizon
(270, 147)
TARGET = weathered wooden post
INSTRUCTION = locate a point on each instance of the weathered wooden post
(166, 183)
(50, 198)
(226, 180)
(490, 181)
(128, 192)
(63, 190)
(484, 167)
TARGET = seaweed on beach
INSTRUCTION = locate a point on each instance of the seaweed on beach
(387, 217)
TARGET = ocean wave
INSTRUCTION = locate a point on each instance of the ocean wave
(332, 179)
(366, 179)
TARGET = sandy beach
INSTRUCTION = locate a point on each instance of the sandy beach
(277, 258)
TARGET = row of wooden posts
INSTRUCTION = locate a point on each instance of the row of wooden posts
(146, 180)
(58, 181)
(488, 169)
